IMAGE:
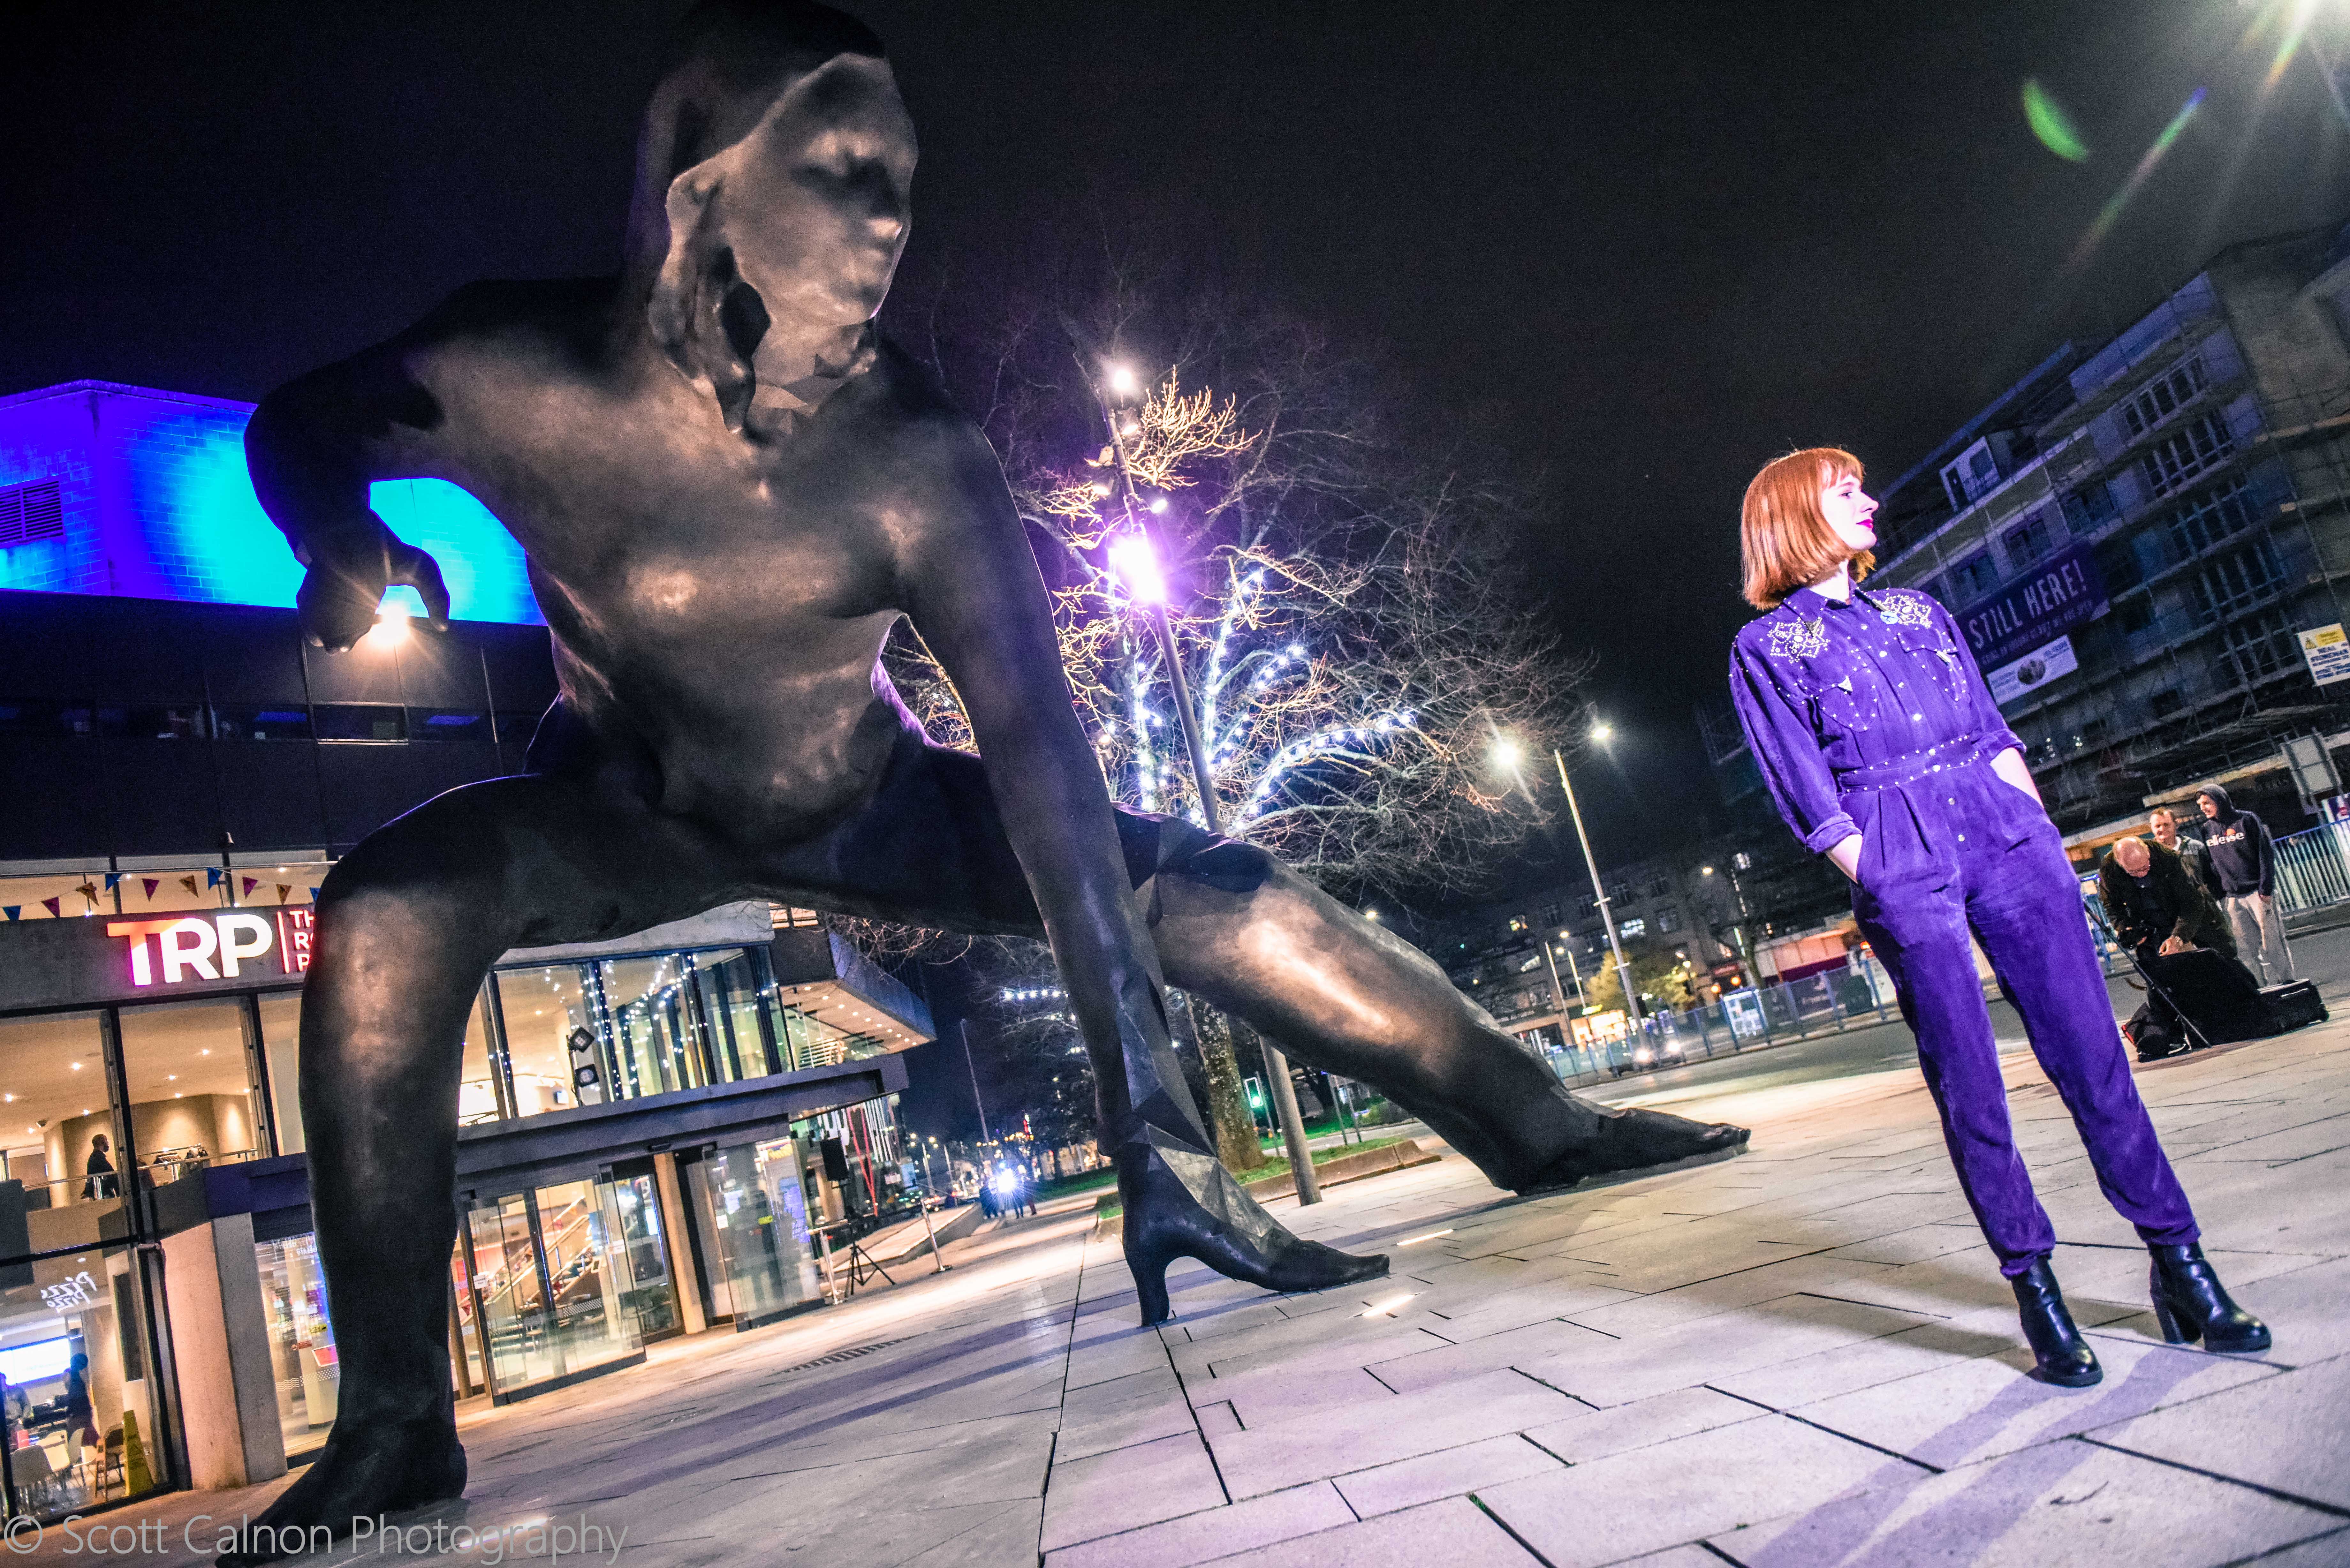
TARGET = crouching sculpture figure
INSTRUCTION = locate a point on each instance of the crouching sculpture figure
(729, 488)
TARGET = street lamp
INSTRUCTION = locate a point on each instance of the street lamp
(1134, 561)
(1507, 754)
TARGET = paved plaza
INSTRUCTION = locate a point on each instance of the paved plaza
(1805, 1356)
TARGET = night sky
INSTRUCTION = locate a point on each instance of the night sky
(1646, 246)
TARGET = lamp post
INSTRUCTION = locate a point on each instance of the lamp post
(1509, 754)
(1745, 917)
(1134, 559)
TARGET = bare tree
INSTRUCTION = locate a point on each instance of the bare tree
(1344, 596)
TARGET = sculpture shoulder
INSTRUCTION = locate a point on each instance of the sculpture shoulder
(554, 325)
(930, 434)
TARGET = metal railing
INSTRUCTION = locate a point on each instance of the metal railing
(1828, 1003)
(2313, 868)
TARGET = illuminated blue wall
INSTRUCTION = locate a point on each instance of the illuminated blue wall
(158, 505)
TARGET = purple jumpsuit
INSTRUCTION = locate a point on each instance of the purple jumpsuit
(1871, 718)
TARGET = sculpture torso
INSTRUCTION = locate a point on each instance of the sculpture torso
(718, 605)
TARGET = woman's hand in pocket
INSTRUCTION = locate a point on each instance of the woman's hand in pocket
(1845, 852)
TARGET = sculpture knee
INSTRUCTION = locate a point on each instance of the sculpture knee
(1214, 861)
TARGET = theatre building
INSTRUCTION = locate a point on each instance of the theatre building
(656, 1132)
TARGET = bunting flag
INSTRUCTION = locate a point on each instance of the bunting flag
(12, 910)
(89, 891)
(213, 878)
(313, 895)
(151, 884)
(284, 888)
(189, 884)
(250, 884)
(113, 880)
(52, 906)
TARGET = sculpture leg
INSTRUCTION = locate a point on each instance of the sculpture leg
(1235, 926)
(929, 849)
(409, 923)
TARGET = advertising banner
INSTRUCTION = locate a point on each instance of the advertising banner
(2015, 681)
(2063, 592)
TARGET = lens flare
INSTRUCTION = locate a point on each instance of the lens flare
(2112, 212)
(2050, 124)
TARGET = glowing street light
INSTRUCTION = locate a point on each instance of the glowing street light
(1136, 566)
(1507, 754)
(1601, 734)
(1123, 382)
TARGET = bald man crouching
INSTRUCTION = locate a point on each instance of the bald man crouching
(2162, 912)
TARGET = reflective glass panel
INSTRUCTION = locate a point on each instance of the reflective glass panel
(191, 1094)
(762, 1230)
(301, 1340)
(60, 1127)
(543, 1007)
(281, 1039)
(79, 1402)
(655, 1038)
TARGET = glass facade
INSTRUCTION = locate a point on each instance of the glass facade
(301, 1341)
(757, 1201)
(75, 1356)
(554, 1289)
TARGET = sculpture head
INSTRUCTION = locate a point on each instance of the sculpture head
(774, 172)
(1805, 515)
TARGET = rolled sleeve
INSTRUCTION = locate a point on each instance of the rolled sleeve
(1787, 751)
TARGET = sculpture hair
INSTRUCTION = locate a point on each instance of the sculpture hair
(1785, 540)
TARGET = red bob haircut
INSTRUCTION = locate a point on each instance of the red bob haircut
(1785, 540)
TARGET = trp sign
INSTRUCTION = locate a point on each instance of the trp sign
(215, 945)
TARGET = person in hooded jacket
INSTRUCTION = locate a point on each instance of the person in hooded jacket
(2243, 862)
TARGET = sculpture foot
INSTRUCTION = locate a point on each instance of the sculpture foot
(367, 1471)
(1639, 1140)
(1180, 1203)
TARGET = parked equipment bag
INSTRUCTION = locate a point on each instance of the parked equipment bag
(2292, 1005)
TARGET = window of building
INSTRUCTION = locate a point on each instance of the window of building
(1973, 577)
(2206, 521)
(448, 724)
(31, 512)
(2164, 396)
(194, 1102)
(143, 722)
(1517, 923)
(1668, 919)
(2262, 647)
(2173, 460)
(1635, 926)
(2238, 579)
(2029, 541)
(281, 724)
(2089, 507)
(2165, 701)
(2133, 616)
(301, 1341)
(1549, 914)
(359, 721)
(1531, 961)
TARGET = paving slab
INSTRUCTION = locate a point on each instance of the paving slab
(2056, 1503)
(1454, 1532)
(1451, 1472)
(1214, 1532)
(2289, 1432)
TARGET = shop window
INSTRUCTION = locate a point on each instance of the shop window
(1635, 926)
(193, 1099)
(301, 1341)
(21, 718)
(551, 1279)
(359, 721)
(149, 722)
(73, 1352)
(755, 1198)
(53, 1090)
(66, 894)
(285, 724)
(657, 1045)
(281, 1037)
(727, 986)
(448, 724)
(477, 1093)
(651, 1296)
(543, 1009)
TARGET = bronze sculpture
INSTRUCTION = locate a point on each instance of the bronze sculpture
(729, 488)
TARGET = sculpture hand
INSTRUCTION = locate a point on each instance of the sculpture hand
(349, 574)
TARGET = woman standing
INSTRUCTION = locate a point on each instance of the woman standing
(1884, 750)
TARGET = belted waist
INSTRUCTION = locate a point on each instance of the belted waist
(1894, 772)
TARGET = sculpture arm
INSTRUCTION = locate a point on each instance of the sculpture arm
(970, 584)
(313, 448)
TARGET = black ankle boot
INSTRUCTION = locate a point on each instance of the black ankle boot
(2190, 1303)
(2064, 1357)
